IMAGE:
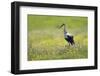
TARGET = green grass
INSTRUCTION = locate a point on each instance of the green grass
(46, 41)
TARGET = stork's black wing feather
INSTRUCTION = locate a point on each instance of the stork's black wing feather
(70, 39)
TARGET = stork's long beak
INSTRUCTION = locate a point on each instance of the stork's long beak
(61, 26)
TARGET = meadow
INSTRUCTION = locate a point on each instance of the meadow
(46, 41)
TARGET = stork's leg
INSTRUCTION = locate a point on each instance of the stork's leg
(73, 45)
(69, 44)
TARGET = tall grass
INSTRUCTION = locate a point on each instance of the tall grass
(46, 41)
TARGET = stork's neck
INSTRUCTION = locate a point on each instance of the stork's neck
(65, 31)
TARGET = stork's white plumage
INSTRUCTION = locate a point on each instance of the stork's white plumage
(67, 34)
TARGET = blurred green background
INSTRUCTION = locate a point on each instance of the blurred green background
(46, 41)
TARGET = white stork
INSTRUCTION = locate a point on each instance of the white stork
(67, 36)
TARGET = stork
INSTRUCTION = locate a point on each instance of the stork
(68, 37)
